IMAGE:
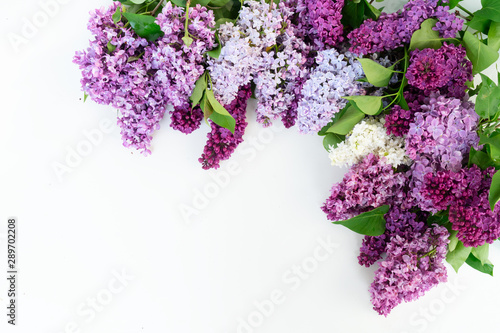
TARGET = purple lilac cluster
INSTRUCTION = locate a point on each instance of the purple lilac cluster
(391, 31)
(139, 78)
(443, 132)
(367, 185)
(398, 222)
(445, 69)
(111, 75)
(466, 194)
(324, 20)
(414, 264)
(177, 65)
(221, 142)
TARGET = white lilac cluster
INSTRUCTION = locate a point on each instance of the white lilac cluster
(334, 77)
(244, 48)
(369, 136)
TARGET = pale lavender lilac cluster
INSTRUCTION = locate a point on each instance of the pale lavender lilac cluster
(334, 77)
(391, 31)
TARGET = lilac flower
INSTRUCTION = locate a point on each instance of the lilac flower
(367, 185)
(414, 265)
(324, 17)
(221, 142)
(186, 119)
(445, 70)
(391, 31)
(334, 77)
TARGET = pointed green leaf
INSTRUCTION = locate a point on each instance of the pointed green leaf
(117, 16)
(344, 124)
(475, 263)
(481, 55)
(479, 23)
(453, 3)
(220, 116)
(493, 141)
(199, 89)
(482, 252)
(494, 195)
(371, 11)
(353, 14)
(85, 96)
(144, 26)
(214, 53)
(376, 74)
(370, 105)
(452, 245)
(371, 223)
(490, 10)
(480, 158)
(425, 37)
(333, 140)
(457, 257)
(488, 98)
(494, 36)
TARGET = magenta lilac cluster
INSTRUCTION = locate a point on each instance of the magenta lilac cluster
(391, 31)
(221, 142)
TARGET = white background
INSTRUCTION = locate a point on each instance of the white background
(118, 212)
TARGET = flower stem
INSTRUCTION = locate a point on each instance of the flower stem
(465, 10)
(156, 8)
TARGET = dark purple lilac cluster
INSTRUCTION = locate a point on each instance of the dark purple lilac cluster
(466, 194)
(391, 31)
(221, 142)
(367, 185)
(445, 70)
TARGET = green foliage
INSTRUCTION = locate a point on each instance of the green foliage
(220, 116)
(494, 36)
(488, 98)
(481, 252)
(371, 105)
(376, 74)
(490, 10)
(494, 195)
(475, 263)
(216, 51)
(480, 158)
(480, 54)
(425, 37)
(332, 139)
(144, 26)
(458, 256)
(371, 223)
(347, 121)
(199, 89)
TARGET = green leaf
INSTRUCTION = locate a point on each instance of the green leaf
(218, 3)
(494, 36)
(346, 122)
(371, 11)
(200, 2)
(453, 3)
(488, 98)
(479, 23)
(332, 139)
(205, 106)
(199, 88)
(370, 105)
(425, 37)
(439, 218)
(85, 96)
(180, 3)
(452, 245)
(490, 10)
(230, 10)
(376, 74)
(371, 223)
(458, 256)
(481, 55)
(214, 53)
(475, 263)
(144, 26)
(220, 116)
(482, 252)
(111, 47)
(493, 141)
(480, 158)
(475, 91)
(187, 40)
(117, 16)
(494, 195)
(222, 21)
(353, 14)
